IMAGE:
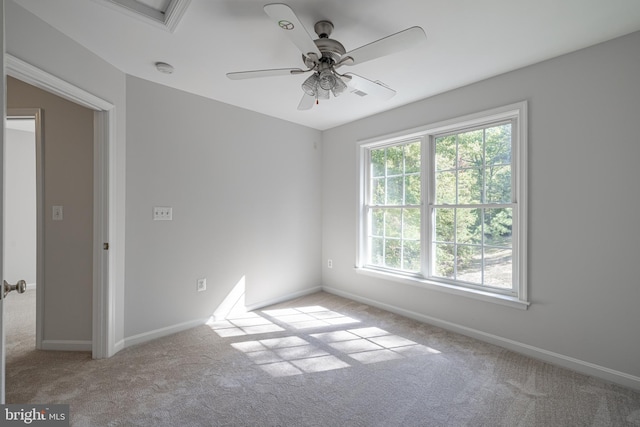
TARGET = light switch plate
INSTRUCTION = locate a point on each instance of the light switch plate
(57, 213)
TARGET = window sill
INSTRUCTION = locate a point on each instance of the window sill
(486, 296)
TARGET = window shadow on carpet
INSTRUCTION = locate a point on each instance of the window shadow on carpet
(312, 339)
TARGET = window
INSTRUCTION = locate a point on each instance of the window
(394, 236)
(444, 206)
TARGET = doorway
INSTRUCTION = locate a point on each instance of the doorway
(23, 230)
(107, 263)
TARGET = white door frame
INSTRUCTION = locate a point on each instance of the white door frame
(3, 99)
(36, 114)
(103, 341)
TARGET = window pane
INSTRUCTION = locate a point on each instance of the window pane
(412, 158)
(377, 162)
(392, 253)
(444, 261)
(394, 160)
(498, 184)
(469, 264)
(377, 191)
(469, 226)
(446, 153)
(411, 224)
(396, 181)
(412, 190)
(377, 251)
(445, 225)
(393, 223)
(411, 255)
(498, 145)
(377, 222)
(470, 149)
(445, 188)
(498, 268)
(469, 186)
(394, 190)
(498, 227)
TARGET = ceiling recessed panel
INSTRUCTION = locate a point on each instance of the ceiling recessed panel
(165, 13)
(159, 5)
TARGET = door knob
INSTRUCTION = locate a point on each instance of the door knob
(20, 287)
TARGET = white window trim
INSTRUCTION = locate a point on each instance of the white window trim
(520, 173)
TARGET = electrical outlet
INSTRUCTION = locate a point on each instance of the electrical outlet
(201, 285)
(162, 213)
(329, 263)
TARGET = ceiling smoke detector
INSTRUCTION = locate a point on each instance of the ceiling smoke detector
(164, 68)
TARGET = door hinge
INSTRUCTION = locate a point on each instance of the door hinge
(105, 246)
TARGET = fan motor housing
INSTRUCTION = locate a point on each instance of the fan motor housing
(332, 50)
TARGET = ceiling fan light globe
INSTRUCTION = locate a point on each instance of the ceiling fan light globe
(327, 79)
(339, 88)
(310, 84)
(322, 93)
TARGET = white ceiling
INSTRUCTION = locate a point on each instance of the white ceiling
(467, 41)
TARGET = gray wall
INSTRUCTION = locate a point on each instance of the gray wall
(245, 192)
(68, 181)
(20, 206)
(584, 239)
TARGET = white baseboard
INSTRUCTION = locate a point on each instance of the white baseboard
(283, 298)
(66, 345)
(162, 332)
(571, 363)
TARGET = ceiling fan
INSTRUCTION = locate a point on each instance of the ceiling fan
(324, 56)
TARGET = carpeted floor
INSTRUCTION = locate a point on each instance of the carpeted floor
(320, 360)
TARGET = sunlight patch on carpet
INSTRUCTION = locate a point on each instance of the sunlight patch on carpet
(243, 324)
(309, 317)
(289, 355)
(297, 353)
(372, 345)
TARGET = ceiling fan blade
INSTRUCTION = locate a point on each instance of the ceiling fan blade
(386, 46)
(287, 20)
(241, 75)
(307, 102)
(369, 87)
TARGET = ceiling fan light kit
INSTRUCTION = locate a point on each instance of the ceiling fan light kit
(324, 55)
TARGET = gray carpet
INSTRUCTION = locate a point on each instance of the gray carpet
(320, 360)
